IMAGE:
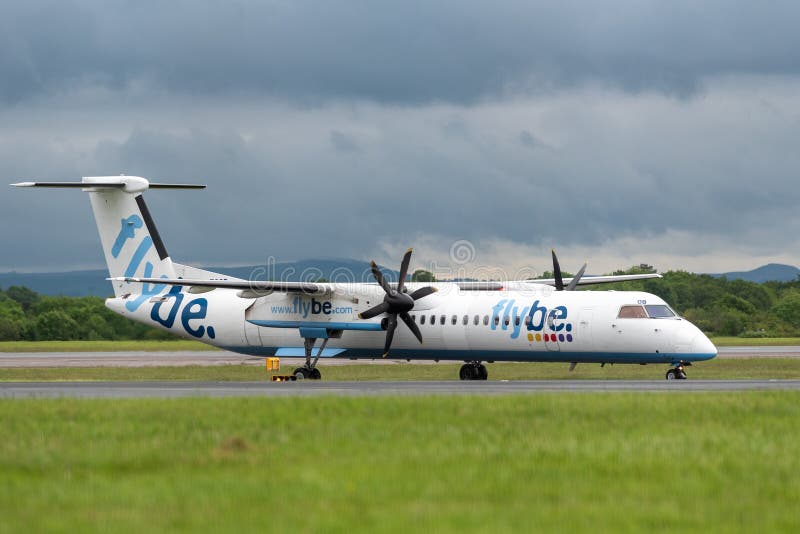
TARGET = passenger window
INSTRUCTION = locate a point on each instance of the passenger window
(516, 320)
(442, 319)
(476, 320)
(466, 320)
(632, 312)
(485, 320)
(506, 320)
(496, 321)
(527, 320)
(433, 320)
(454, 320)
(421, 319)
(414, 318)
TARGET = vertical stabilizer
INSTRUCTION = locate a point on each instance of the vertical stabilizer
(131, 243)
(130, 239)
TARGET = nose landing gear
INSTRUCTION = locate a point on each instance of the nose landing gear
(473, 371)
(676, 373)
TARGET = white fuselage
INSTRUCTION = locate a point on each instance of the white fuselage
(531, 322)
(483, 321)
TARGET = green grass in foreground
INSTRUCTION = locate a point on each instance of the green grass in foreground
(555, 462)
(103, 346)
(771, 368)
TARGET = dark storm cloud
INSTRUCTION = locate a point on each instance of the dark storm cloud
(645, 166)
(536, 124)
(399, 52)
(528, 140)
(342, 142)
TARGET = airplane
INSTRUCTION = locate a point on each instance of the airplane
(474, 322)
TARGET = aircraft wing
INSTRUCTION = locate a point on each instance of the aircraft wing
(249, 288)
(254, 288)
(583, 281)
(591, 280)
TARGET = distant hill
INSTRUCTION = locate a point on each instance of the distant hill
(93, 282)
(766, 273)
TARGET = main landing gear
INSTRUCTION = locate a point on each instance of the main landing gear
(677, 372)
(473, 371)
(309, 370)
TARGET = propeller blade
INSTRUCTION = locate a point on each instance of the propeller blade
(575, 279)
(423, 292)
(379, 277)
(404, 269)
(383, 307)
(390, 327)
(411, 325)
(557, 272)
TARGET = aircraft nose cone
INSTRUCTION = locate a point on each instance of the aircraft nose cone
(702, 346)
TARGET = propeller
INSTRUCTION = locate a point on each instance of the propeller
(397, 302)
(560, 280)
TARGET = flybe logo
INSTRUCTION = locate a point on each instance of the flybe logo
(304, 307)
(127, 231)
(194, 311)
(542, 324)
(170, 310)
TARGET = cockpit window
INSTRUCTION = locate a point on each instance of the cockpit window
(632, 312)
(657, 311)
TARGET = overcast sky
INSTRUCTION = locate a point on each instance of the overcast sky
(620, 132)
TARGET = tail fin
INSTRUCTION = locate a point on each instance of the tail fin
(130, 239)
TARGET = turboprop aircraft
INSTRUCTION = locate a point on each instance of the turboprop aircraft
(473, 322)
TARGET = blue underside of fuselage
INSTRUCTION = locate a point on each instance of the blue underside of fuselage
(499, 356)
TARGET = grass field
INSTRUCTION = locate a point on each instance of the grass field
(183, 344)
(774, 368)
(565, 462)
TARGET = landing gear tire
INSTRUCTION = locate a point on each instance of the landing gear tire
(300, 373)
(473, 371)
(483, 374)
(676, 373)
(465, 372)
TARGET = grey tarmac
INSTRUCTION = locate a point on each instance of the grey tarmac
(214, 357)
(306, 388)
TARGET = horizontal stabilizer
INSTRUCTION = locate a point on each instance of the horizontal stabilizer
(129, 184)
(76, 185)
(177, 186)
(117, 185)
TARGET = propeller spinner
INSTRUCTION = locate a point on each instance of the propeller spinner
(396, 303)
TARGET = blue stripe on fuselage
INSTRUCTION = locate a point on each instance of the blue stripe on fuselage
(499, 356)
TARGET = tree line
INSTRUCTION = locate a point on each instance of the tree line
(28, 316)
(723, 307)
(717, 305)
